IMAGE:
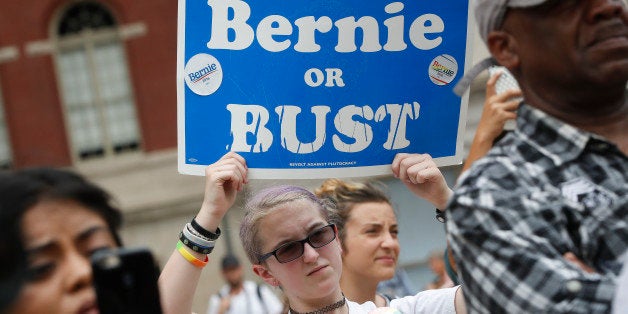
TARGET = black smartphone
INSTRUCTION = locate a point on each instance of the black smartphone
(125, 280)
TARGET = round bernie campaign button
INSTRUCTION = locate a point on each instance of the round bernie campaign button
(203, 74)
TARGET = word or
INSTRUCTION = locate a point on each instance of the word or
(249, 123)
(332, 77)
(272, 32)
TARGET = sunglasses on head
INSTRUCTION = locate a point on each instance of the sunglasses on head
(292, 250)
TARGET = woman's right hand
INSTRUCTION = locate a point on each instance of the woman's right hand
(223, 180)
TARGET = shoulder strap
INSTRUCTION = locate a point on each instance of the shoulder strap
(259, 295)
(220, 294)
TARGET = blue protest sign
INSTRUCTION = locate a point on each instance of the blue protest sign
(313, 89)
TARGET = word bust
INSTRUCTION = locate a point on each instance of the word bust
(250, 132)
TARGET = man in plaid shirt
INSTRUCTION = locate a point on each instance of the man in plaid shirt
(558, 185)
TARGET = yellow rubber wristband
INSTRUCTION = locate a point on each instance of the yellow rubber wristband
(191, 258)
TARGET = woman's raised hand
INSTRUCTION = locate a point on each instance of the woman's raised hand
(422, 177)
(223, 180)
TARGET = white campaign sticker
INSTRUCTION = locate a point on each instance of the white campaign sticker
(443, 69)
(203, 74)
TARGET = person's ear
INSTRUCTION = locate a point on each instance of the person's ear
(503, 47)
(266, 275)
(342, 251)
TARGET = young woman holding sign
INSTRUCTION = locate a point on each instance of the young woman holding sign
(291, 243)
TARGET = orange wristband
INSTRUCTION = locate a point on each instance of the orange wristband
(191, 258)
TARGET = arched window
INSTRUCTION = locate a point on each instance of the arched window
(94, 82)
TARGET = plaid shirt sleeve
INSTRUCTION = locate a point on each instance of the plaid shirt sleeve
(546, 189)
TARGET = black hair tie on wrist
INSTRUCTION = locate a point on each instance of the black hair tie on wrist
(204, 232)
(440, 216)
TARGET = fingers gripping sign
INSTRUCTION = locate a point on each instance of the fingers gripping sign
(422, 177)
(223, 180)
(415, 168)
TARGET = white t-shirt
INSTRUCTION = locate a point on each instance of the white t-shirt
(248, 301)
(435, 301)
(620, 302)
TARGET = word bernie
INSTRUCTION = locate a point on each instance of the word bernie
(272, 31)
(202, 73)
(249, 123)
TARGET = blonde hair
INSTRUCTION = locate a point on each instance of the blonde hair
(261, 204)
(344, 195)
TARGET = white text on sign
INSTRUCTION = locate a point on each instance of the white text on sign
(271, 31)
(345, 123)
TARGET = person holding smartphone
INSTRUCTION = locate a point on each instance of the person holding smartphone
(559, 183)
(53, 221)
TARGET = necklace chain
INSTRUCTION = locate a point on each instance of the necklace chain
(325, 309)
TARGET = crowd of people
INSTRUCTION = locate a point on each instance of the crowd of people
(537, 222)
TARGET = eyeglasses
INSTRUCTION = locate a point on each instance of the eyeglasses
(290, 251)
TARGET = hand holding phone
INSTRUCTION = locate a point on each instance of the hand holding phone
(505, 81)
(126, 281)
